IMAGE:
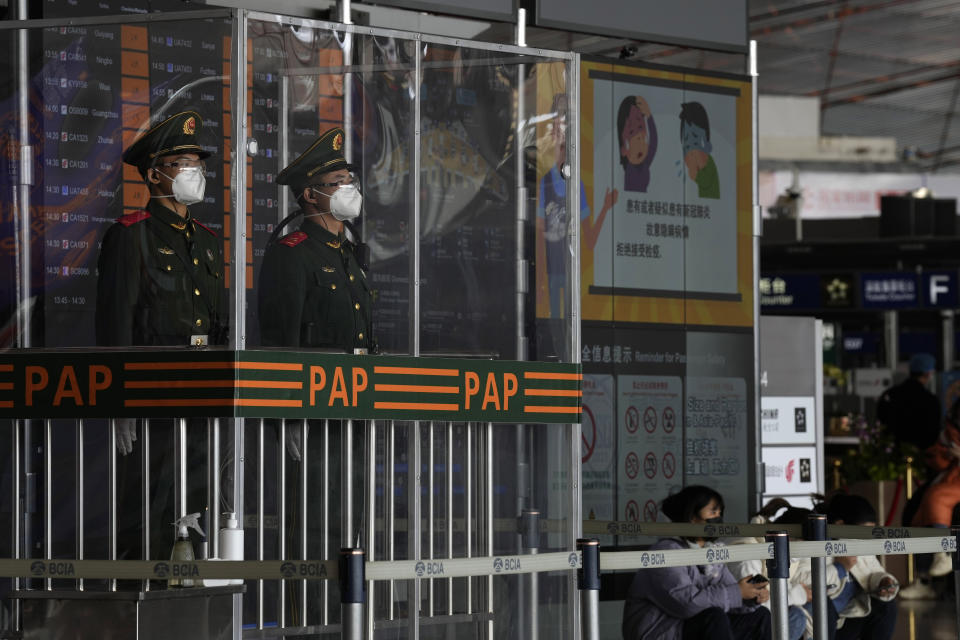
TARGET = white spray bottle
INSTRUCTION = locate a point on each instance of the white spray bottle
(183, 548)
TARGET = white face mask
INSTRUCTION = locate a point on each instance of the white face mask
(345, 202)
(188, 186)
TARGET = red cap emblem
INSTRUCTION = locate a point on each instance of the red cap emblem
(338, 142)
(190, 126)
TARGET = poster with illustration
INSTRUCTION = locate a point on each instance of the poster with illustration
(664, 157)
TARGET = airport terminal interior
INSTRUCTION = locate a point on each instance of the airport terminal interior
(443, 319)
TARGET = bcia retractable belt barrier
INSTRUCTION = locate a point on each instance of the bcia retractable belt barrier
(353, 572)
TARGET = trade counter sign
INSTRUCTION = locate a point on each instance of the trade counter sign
(282, 384)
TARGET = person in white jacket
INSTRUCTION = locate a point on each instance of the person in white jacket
(865, 600)
(799, 594)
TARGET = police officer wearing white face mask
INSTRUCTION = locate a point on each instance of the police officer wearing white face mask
(160, 271)
(313, 289)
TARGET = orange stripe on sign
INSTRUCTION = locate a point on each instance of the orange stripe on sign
(414, 388)
(271, 366)
(6, 368)
(6, 404)
(415, 371)
(554, 393)
(255, 402)
(210, 384)
(543, 375)
(176, 366)
(6, 386)
(533, 409)
(416, 405)
(192, 402)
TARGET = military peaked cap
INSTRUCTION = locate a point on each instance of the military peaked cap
(323, 156)
(177, 134)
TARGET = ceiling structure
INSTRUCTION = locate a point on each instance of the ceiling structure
(881, 68)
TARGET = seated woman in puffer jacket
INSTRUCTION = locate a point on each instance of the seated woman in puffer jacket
(696, 602)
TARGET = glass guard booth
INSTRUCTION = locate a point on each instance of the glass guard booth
(464, 424)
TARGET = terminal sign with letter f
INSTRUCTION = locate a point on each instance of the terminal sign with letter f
(941, 289)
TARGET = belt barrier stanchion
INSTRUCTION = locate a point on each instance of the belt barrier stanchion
(352, 593)
(955, 531)
(815, 529)
(588, 582)
(530, 535)
(778, 570)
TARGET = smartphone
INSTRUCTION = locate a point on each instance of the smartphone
(758, 579)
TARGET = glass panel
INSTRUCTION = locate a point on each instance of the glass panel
(91, 91)
(473, 166)
(308, 80)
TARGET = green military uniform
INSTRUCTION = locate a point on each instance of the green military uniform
(160, 276)
(312, 291)
(160, 281)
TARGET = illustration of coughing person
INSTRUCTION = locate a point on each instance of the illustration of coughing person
(695, 137)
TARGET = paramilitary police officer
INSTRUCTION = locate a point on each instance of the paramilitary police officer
(313, 291)
(160, 271)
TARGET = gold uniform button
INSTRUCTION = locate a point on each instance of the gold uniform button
(188, 234)
(196, 261)
(360, 336)
(169, 267)
(196, 292)
(333, 287)
(199, 322)
(356, 305)
(351, 278)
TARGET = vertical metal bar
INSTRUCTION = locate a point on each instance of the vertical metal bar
(414, 527)
(522, 277)
(817, 530)
(282, 520)
(468, 511)
(304, 484)
(588, 584)
(955, 532)
(573, 205)
(22, 193)
(450, 519)
(260, 517)
(112, 497)
(530, 531)
(48, 495)
(180, 467)
(213, 456)
(238, 181)
(237, 504)
(389, 479)
(758, 479)
(573, 201)
(145, 493)
(325, 535)
(78, 487)
(370, 478)
(346, 483)
(16, 507)
(430, 514)
(778, 570)
(489, 507)
(351, 593)
(414, 311)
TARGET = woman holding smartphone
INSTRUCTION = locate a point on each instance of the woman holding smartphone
(696, 602)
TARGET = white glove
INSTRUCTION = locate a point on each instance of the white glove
(294, 444)
(125, 431)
